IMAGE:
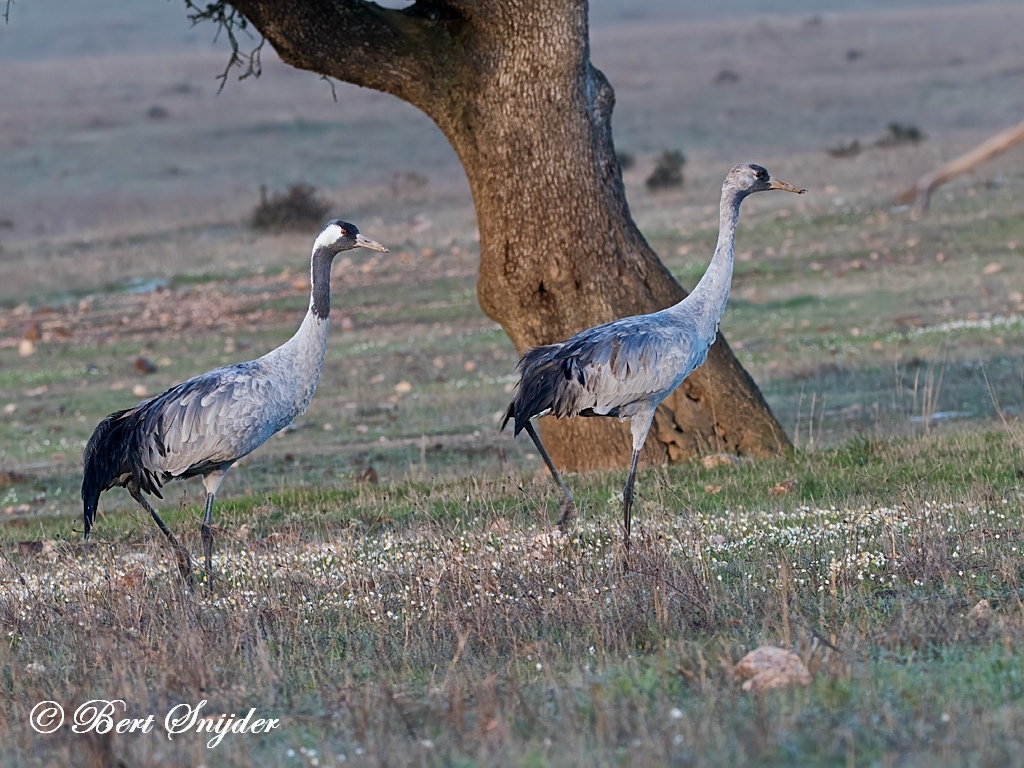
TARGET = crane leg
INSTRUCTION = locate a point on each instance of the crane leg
(568, 506)
(207, 533)
(184, 561)
(212, 482)
(639, 426)
(627, 500)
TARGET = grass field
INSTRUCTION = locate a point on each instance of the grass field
(387, 582)
(436, 622)
(430, 618)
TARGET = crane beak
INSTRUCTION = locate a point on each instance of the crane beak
(776, 184)
(373, 245)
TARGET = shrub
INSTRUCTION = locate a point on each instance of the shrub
(296, 208)
(901, 134)
(668, 170)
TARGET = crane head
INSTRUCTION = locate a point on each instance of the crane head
(748, 177)
(338, 235)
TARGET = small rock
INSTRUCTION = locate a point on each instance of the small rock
(469, 366)
(771, 667)
(719, 460)
(140, 390)
(991, 268)
(144, 365)
(403, 387)
(726, 77)
(130, 580)
(26, 348)
(543, 542)
(980, 615)
(781, 489)
(369, 475)
(713, 488)
(35, 548)
(500, 526)
(34, 332)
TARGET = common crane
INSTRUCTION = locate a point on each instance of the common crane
(625, 368)
(206, 424)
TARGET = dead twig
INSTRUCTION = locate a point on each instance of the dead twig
(920, 193)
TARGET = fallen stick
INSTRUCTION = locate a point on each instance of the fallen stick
(920, 193)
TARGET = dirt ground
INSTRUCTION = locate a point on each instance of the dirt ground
(111, 122)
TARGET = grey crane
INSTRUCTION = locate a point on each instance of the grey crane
(625, 368)
(204, 425)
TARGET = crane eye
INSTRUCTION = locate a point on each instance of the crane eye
(761, 174)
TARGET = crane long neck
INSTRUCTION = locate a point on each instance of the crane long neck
(711, 294)
(320, 283)
(313, 330)
(303, 354)
(314, 325)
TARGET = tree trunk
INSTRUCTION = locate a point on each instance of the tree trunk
(510, 84)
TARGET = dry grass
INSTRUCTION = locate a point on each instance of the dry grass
(439, 623)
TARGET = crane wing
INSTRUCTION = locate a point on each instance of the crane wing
(208, 422)
(623, 363)
(606, 369)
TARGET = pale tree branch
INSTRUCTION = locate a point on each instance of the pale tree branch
(921, 192)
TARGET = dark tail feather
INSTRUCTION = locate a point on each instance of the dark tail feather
(104, 456)
(509, 413)
(542, 379)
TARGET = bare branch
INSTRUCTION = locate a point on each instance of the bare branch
(330, 82)
(404, 52)
(7, 11)
(231, 23)
(921, 192)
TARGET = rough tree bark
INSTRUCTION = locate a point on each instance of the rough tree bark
(511, 85)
